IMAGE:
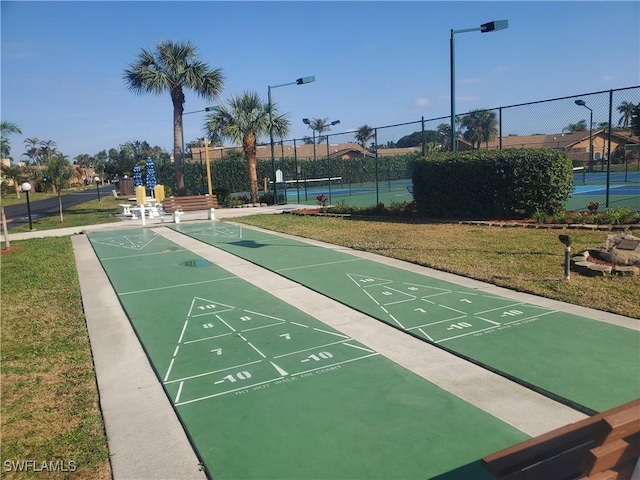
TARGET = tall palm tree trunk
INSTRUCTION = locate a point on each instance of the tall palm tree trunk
(249, 147)
(178, 161)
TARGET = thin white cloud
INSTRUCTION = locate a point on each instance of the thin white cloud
(470, 80)
(16, 51)
(421, 102)
(500, 69)
(608, 78)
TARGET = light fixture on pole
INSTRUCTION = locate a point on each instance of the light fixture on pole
(26, 187)
(582, 103)
(484, 28)
(97, 180)
(306, 121)
(208, 109)
(299, 81)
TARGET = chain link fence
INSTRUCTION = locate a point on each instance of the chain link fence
(375, 167)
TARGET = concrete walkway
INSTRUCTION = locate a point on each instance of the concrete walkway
(147, 441)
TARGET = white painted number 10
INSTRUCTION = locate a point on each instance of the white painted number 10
(238, 376)
(320, 356)
(459, 326)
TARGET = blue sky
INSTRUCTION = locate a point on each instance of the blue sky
(375, 62)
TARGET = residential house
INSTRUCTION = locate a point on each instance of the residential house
(576, 144)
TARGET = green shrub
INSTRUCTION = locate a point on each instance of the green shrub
(502, 184)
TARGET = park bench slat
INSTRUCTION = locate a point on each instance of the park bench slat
(190, 203)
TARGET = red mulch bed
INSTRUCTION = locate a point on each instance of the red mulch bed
(10, 250)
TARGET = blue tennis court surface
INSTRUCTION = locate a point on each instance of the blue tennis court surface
(602, 189)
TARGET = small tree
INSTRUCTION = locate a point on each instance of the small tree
(58, 173)
(15, 173)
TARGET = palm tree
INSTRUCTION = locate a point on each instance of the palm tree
(33, 150)
(581, 126)
(626, 110)
(488, 126)
(320, 126)
(48, 148)
(244, 120)
(480, 126)
(7, 128)
(172, 68)
(444, 130)
(362, 136)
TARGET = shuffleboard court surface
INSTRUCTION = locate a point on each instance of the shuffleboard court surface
(264, 390)
(585, 363)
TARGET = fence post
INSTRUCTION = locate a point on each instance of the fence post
(375, 136)
(609, 146)
(500, 126)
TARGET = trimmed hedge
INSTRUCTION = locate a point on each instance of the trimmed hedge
(499, 184)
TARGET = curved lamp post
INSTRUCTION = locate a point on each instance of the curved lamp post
(299, 81)
(26, 187)
(96, 179)
(484, 28)
(582, 103)
(307, 122)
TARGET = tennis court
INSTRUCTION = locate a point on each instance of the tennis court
(624, 191)
(584, 363)
(264, 390)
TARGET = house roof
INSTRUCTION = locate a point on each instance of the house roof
(336, 150)
(302, 151)
(556, 140)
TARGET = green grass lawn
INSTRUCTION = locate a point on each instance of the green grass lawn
(50, 407)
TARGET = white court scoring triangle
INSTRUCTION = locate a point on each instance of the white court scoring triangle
(202, 306)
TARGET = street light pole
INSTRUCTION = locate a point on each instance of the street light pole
(97, 180)
(299, 81)
(484, 28)
(582, 103)
(26, 187)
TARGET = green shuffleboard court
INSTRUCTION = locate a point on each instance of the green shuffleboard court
(587, 364)
(264, 390)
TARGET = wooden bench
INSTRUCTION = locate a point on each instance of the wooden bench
(178, 205)
(603, 447)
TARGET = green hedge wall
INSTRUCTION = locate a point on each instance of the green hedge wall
(500, 184)
(230, 173)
